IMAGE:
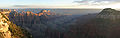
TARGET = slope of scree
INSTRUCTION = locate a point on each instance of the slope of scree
(10, 30)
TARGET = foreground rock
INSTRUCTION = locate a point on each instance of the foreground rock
(10, 30)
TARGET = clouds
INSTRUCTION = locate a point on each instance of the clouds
(20, 6)
(96, 2)
(60, 3)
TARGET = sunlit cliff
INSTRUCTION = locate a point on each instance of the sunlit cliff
(10, 30)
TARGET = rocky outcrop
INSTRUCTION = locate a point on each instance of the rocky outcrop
(109, 13)
(29, 17)
(10, 30)
(4, 25)
(5, 11)
(30, 13)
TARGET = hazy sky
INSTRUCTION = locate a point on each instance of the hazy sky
(59, 4)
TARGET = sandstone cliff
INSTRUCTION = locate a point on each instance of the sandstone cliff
(10, 30)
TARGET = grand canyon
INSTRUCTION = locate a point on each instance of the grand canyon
(46, 23)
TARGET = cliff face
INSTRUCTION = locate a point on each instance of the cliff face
(30, 17)
(42, 23)
(10, 30)
(4, 25)
(30, 13)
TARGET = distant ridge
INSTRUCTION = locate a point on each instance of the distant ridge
(109, 13)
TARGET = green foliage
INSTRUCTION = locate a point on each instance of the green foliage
(18, 32)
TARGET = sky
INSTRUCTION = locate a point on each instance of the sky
(59, 3)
